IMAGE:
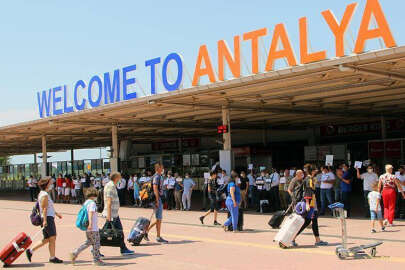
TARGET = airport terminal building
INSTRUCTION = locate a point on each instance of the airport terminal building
(351, 106)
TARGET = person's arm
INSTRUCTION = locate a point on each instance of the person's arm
(307, 205)
(209, 188)
(347, 181)
(291, 187)
(399, 186)
(156, 191)
(247, 185)
(377, 204)
(379, 185)
(358, 173)
(91, 214)
(232, 190)
(44, 207)
(108, 205)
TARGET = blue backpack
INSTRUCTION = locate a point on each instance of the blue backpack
(82, 220)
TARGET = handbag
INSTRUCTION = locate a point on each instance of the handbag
(110, 235)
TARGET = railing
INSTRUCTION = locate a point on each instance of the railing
(12, 185)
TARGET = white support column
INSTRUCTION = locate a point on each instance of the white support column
(225, 155)
(72, 158)
(44, 157)
(114, 158)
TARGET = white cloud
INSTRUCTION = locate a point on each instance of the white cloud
(14, 116)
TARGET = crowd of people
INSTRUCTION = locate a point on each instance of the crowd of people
(276, 190)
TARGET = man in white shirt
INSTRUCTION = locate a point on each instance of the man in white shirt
(106, 179)
(32, 187)
(121, 185)
(252, 188)
(97, 181)
(369, 178)
(327, 180)
(274, 192)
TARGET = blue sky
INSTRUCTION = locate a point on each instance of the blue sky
(49, 43)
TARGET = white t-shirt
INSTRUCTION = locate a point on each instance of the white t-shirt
(373, 196)
(283, 180)
(97, 182)
(170, 182)
(252, 181)
(401, 178)
(53, 181)
(122, 183)
(31, 183)
(77, 184)
(92, 207)
(105, 181)
(368, 180)
(327, 177)
(50, 210)
(275, 179)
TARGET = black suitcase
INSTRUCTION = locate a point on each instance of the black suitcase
(138, 231)
(240, 221)
(277, 219)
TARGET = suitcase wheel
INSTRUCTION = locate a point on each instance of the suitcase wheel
(281, 245)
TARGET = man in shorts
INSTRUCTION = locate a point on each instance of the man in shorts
(157, 183)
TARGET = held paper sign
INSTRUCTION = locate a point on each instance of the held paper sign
(397, 174)
(206, 175)
(357, 164)
(250, 167)
(329, 160)
(262, 168)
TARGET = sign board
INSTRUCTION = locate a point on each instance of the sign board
(358, 164)
(250, 167)
(186, 160)
(329, 160)
(121, 84)
(206, 175)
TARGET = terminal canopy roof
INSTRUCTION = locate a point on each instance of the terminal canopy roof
(355, 88)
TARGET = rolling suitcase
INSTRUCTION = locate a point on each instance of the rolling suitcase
(278, 218)
(138, 231)
(15, 248)
(289, 230)
(240, 221)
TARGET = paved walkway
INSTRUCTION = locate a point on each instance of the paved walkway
(197, 246)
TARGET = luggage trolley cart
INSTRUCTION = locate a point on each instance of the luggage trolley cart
(343, 251)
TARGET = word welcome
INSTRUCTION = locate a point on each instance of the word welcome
(120, 85)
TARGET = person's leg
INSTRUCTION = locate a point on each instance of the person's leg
(235, 216)
(366, 205)
(229, 205)
(391, 206)
(385, 198)
(306, 223)
(402, 206)
(118, 225)
(158, 227)
(204, 192)
(40, 244)
(189, 200)
(318, 197)
(95, 236)
(52, 246)
(329, 197)
(83, 246)
(184, 200)
(215, 215)
(323, 201)
(346, 201)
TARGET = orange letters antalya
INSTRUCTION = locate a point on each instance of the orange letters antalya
(372, 9)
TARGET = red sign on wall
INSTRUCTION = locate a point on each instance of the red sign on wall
(376, 149)
(392, 149)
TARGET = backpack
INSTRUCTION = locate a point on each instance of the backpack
(100, 201)
(35, 216)
(82, 220)
(147, 194)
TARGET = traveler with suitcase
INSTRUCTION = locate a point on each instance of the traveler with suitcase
(48, 214)
(92, 232)
(303, 190)
(212, 195)
(232, 203)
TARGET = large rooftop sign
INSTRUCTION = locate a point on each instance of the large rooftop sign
(119, 85)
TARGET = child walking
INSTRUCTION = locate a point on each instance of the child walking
(92, 233)
(374, 199)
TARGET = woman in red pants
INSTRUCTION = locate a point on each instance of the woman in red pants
(388, 182)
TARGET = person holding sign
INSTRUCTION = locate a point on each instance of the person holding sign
(261, 192)
(401, 201)
(346, 188)
(170, 190)
(369, 179)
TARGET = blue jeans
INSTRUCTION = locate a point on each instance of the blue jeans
(233, 219)
(326, 199)
(118, 225)
(338, 195)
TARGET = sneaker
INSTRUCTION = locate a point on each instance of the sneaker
(225, 228)
(321, 243)
(385, 222)
(29, 254)
(72, 257)
(161, 240)
(373, 231)
(99, 263)
(146, 237)
(294, 244)
(55, 260)
(202, 220)
(127, 252)
(383, 229)
(216, 223)
(101, 255)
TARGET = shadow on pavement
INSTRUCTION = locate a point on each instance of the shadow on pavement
(28, 265)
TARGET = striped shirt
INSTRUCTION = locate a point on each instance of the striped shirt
(110, 191)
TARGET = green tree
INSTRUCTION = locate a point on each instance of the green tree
(4, 161)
